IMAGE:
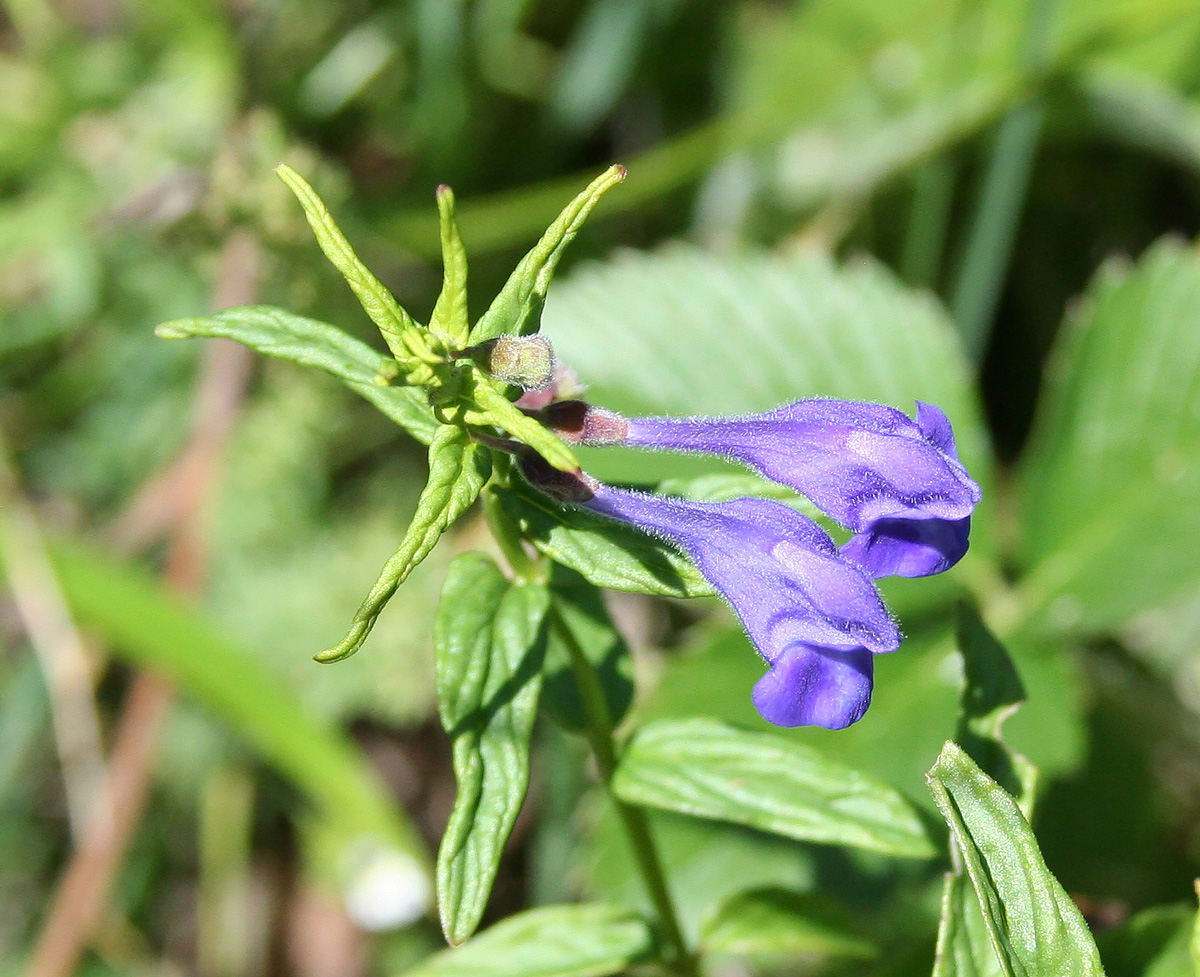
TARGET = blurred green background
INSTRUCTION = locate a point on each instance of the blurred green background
(863, 198)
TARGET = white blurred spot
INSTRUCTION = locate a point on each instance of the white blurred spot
(387, 889)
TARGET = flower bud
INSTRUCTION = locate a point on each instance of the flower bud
(575, 487)
(527, 361)
(565, 385)
(577, 422)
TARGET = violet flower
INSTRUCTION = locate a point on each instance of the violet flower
(895, 481)
(813, 615)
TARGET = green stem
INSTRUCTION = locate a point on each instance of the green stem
(520, 562)
(925, 236)
(994, 225)
(599, 731)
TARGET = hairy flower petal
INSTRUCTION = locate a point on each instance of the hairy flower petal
(812, 686)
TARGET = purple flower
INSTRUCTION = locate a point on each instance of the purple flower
(813, 615)
(895, 481)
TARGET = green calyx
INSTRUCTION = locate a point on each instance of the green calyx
(461, 388)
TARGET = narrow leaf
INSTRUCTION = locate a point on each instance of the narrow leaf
(964, 948)
(450, 313)
(517, 309)
(497, 410)
(488, 647)
(1033, 925)
(591, 940)
(708, 769)
(773, 922)
(580, 609)
(458, 467)
(605, 552)
(394, 323)
(276, 332)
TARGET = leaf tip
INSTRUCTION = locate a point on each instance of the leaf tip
(338, 652)
(175, 329)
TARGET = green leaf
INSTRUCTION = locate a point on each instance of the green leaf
(497, 410)
(396, 325)
(276, 332)
(458, 467)
(144, 624)
(964, 948)
(488, 645)
(708, 769)
(589, 940)
(1034, 926)
(1112, 480)
(517, 309)
(992, 691)
(607, 553)
(580, 606)
(774, 922)
(450, 313)
(1154, 943)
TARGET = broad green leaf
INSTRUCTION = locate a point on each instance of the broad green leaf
(708, 769)
(397, 326)
(458, 467)
(517, 309)
(774, 922)
(964, 948)
(607, 553)
(1154, 943)
(497, 410)
(1034, 926)
(276, 332)
(1111, 486)
(992, 691)
(142, 623)
(678, 331)
(580, 607)
(450, 312)
(488, 646)
(589, 940)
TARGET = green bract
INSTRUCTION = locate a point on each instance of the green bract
(440, 396)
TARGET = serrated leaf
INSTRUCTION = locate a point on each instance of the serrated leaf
(607, 553)
(517, 309)
(396, 325)
(708, 769)
(497, 410)
(774, 922)
(1033, 925)
(590, 940)
(458, 467)
(450, 312)
(1112, 480)
(963, 947)
(581, 609)
(992, 691)
(488, 646)
(279, 333)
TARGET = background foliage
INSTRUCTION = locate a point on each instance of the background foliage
(987, 204)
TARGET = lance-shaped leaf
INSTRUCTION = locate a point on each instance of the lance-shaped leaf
(399, 330)
(276, 332)
(1033, 925)
(489, 646)
(609, 554)
(496, 410)
(711, 770)
(517, 310)
(590, 940)
(450, 312)
(964, 948)
(458, 467)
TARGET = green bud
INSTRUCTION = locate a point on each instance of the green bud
(527, 361)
